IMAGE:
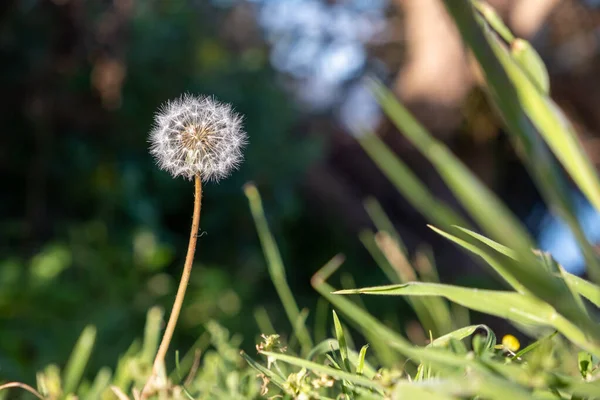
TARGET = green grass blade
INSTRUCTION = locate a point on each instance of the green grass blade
(151, 334)
(494, 20)
(339, 333)
(276, 268)
(79, 359)
(585, 288)
(367, 238)
(495, 261)
(321, 314)
(408, 184)
(382, 221)
(520, 308)
(360, 366)
(531, 63)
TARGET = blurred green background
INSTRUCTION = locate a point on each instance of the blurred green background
(91, 232)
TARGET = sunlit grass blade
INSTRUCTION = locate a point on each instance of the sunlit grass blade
(520, 308)
(494, 260)
(79, 359)
(408, 184)
(360, 366)
(276, 268)
(531, 63)
(494, 20)
(583, 287)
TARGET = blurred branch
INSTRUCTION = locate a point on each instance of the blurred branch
(436, 78)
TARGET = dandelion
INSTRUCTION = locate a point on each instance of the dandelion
(197, 135)
(198, 138)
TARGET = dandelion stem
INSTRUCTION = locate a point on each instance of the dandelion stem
(183, 283)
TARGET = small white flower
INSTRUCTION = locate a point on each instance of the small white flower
(197, 135)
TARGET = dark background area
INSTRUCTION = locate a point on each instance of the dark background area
(91, 232)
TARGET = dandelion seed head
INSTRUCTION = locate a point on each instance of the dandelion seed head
(197, 135)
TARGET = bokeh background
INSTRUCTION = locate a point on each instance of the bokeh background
(91, 232)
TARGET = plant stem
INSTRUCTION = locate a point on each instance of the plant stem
(183, 283)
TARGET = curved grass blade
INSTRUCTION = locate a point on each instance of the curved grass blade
(583, 287)
(520, 308)
(462, 333)
(408, 184)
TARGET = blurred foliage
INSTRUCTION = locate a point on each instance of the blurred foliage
(91, 229)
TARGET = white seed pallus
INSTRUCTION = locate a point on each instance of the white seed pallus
(197, 135)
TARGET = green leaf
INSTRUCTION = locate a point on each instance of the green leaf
(495, 261)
